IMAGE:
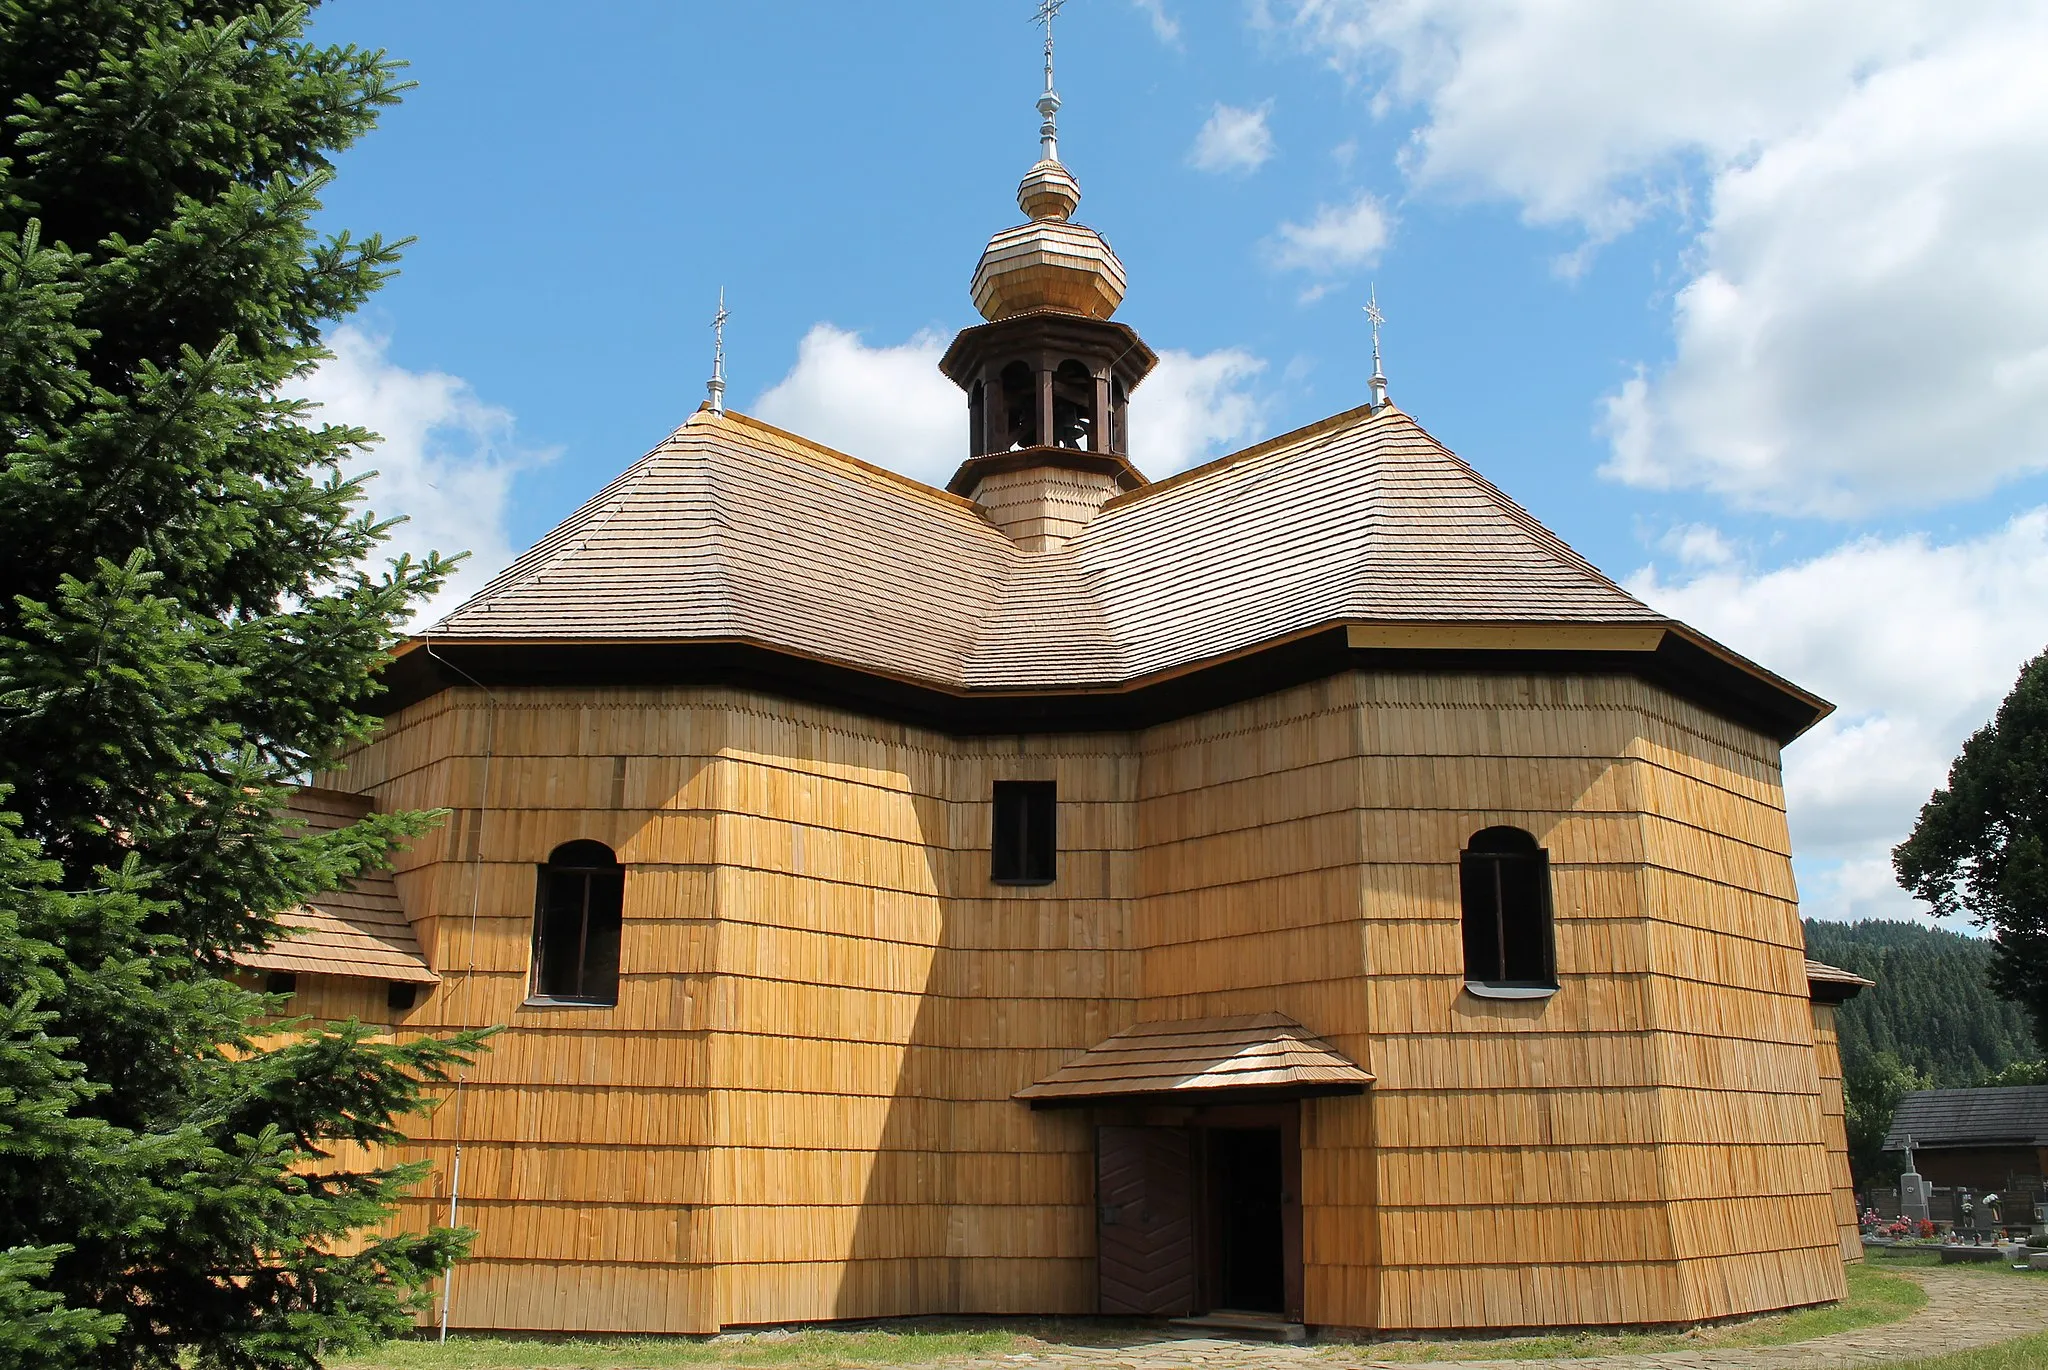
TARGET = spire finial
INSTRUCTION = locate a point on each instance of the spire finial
(716, 385)
(1379, 377)
(1048, 103)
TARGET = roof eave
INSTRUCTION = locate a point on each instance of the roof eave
(1661, 651)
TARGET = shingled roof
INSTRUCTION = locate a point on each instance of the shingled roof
(1937, 1118)
(1833, 985)
(362, 931)
(1202, 1060)
(735, 532)
(738, 537)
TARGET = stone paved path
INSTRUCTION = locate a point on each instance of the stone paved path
(1964, 1309)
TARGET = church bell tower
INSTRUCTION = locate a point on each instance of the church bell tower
(1049, 376)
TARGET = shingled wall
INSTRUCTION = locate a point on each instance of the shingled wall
(800, 1107)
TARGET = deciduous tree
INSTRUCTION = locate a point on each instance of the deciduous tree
(1871, 1092)
(1980, 847)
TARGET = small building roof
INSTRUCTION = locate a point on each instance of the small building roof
(362, 931)
(1831, 984)
(1939, 1118)
(1202, 1060)
(734, 534)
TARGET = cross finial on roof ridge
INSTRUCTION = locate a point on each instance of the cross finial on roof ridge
(1049, 102)
(716, 385)
(1379, 377)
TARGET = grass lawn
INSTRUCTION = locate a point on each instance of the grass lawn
(2024, 1353)
(804, 1349)
(1875, 1296)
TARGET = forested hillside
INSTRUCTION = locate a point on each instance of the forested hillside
(1930, 1009)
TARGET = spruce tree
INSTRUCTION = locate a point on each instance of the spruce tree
(187, 622)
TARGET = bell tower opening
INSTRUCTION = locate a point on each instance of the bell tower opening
(1020, 410)
(1074, 410)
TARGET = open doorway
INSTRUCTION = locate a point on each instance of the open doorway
(1201, 1213)
(1247, 1251)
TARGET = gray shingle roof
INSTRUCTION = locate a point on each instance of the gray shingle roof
(734, 530)
(1936, 1118)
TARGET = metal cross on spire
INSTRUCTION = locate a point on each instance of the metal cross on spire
(716, 385)
(1379, 378)
(1048, 103)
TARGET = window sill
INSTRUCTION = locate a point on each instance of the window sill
(1023, 884)
(1480, 989)
(541, 1001)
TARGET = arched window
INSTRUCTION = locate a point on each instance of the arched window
(1504, 885)
(1073, 406)
(977, 420)
(1020, 406)
(1119, 418)
(576, 925)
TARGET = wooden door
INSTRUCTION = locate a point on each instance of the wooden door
(1145, 1221)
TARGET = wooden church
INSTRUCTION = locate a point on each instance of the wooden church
(1302, 885)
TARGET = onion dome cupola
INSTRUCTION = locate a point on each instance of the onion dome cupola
(1049, 376)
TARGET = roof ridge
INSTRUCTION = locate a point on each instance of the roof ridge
(534, 562)
(1258, 449)
(887, 477)
(1528, 521)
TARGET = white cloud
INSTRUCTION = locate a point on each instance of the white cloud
(1581, 109)
(1698, 544)
(1233, 139)
(446, 462)
(1193, 407)
(1869, 326)
(1915, 641)
(887, 405)
(1338, 238)
(892, 407)
(1864, 322)
(1165, 27)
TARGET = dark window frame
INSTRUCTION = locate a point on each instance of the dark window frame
(1507, 919)
(575, 880)
(1024, 842)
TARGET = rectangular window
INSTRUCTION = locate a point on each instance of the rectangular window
(1024, 847)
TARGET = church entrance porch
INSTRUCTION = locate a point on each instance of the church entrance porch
(1200, 1212)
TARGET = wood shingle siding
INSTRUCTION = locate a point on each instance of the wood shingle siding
(801, 1107)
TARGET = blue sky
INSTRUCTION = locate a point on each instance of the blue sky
(1747, 300)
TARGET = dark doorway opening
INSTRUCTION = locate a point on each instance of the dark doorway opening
(1246, 1189)
(1200, 1211)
